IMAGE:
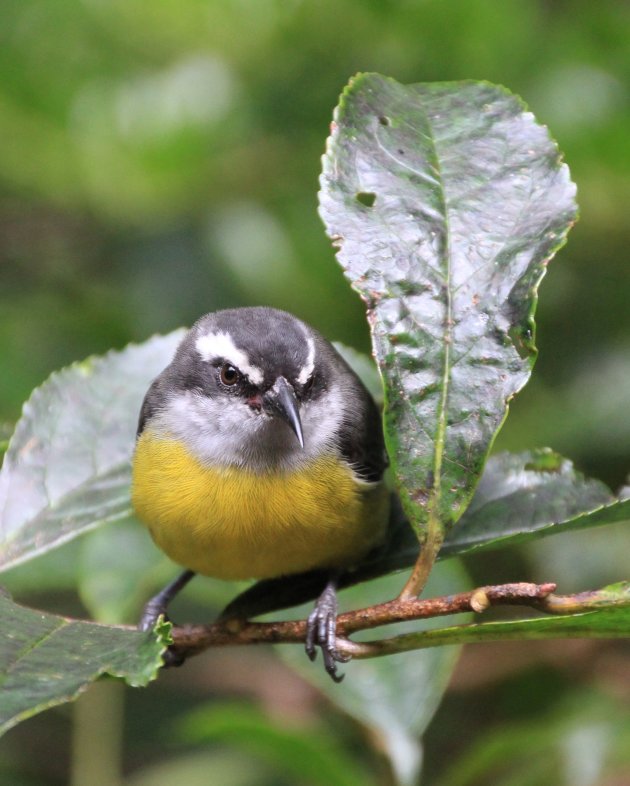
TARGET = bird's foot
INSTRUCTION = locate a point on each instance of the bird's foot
(321, 631)
(156, 608)
(150, 615)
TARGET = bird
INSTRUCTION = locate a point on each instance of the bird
(260, 454)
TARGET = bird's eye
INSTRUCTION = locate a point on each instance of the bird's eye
(229, 375)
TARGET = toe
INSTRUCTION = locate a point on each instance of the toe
(321, 631)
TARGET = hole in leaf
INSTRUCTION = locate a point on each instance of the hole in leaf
(523, 340)
(367, 198)
(384, 120)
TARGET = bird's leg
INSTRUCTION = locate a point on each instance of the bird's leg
(321, 630)
(159, 603)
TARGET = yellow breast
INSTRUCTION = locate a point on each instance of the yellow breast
(234, 524)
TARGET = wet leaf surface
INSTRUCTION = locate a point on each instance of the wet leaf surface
(47, 660)
(67, 468)
(445, 202)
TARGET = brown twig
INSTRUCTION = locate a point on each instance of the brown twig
(192, 639)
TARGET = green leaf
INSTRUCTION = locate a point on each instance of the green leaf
(67, 468)
(118, 567)
(47, 660)
(364, 367)
(527, 495)
(307, 756)
(228, 768)
(584, 739)
(445, 201)
(55, 571)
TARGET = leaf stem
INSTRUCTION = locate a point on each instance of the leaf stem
(464, 634)
(426, 559)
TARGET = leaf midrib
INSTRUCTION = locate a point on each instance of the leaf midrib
(440, 433)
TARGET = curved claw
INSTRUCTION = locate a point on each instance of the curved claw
(321, 631)
(172, 659)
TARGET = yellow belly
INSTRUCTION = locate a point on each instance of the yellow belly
(235, 525)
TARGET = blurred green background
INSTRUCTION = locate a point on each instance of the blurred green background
(159, 159)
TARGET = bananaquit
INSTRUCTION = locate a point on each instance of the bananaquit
(260, 454)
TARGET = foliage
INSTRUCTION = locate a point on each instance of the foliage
(46, 660)
(125, 211)
(407, 173)
(67, 467)
(467, 203)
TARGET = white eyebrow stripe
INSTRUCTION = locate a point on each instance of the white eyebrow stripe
(308, 367)
(212, 346)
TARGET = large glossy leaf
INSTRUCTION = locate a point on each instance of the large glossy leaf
(47, 660)
(67, 468)
(445, 201)
(526, 495)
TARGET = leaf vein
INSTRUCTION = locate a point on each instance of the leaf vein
(32, 645)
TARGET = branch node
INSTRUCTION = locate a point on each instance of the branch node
(479, 601)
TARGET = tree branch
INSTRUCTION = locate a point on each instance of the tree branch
(193, 639)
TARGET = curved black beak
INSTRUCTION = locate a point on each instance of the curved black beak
(280, 400)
